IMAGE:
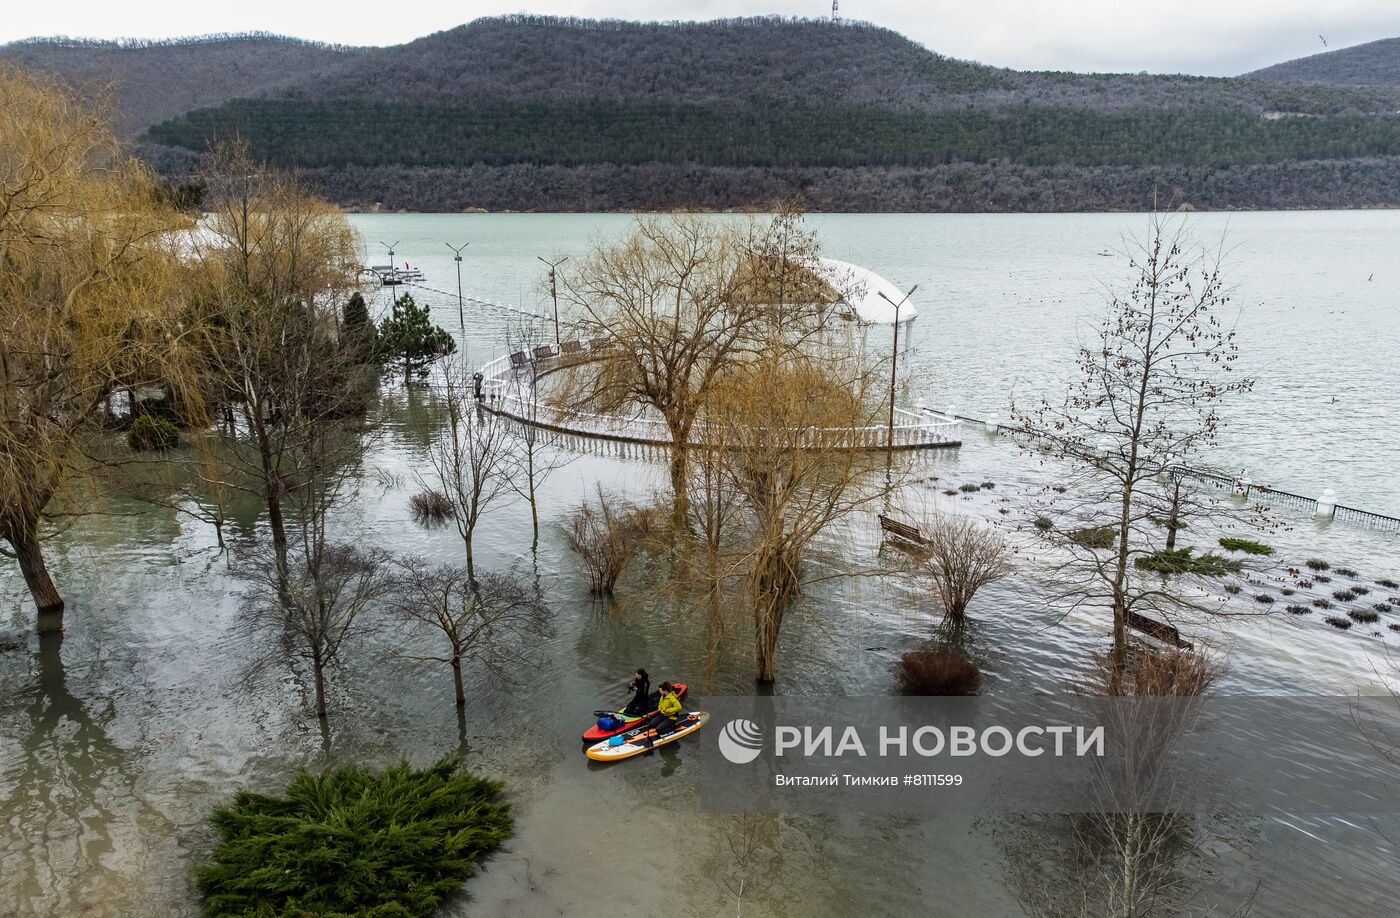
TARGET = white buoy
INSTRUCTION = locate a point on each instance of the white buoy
(1242, 484)
(992, 423)
(950, 412)
(1326, 504)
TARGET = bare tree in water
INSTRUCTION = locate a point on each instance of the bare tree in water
(1147, 394)
(536, 460)
(1139, 851)
(318, 608)
(664, 301)
(279, 265)
(494, 620)
(473, 460)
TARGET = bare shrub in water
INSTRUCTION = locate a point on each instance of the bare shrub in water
(936, 672)
(430, 507)
(605, 535)
(962, 556)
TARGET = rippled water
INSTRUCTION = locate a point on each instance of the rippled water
(115, 743)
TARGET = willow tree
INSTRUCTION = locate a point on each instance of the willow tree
(89, 302)
(788, 424)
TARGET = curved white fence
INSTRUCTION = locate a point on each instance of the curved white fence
(506, 390)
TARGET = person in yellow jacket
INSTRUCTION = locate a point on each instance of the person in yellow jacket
(668, 712)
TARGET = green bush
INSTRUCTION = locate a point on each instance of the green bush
(1095, 537)
(1248, 546)
(352, 841)
(1182, 561)
(150, 432)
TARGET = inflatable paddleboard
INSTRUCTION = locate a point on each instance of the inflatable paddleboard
(603, 752)
(595, 733)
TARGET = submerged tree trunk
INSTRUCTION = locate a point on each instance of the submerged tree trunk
(318, 669)
(534, 507)
(680, 482)
(457, 679)
(23, 536)
(775, 576)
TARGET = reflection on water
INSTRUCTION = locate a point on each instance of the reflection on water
(116, 741)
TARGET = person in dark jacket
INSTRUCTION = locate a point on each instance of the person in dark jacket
(640, 687)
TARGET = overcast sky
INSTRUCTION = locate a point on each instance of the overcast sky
(1188, 36)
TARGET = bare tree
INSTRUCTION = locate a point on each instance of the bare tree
(492, 619)
(279, 262)
(1147, 394)
(536, 461)
(666, 300)
(960, 556)
(318, 605)
(473, 460)
(605, 536)
(1136, 853)
(748, 840)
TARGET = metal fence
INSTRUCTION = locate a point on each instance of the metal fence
(507, 387)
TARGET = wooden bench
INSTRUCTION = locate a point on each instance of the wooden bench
(902, 531)
(1160, 631)
(544, 352)
(518, 359)
(572, 348)
(601, 344)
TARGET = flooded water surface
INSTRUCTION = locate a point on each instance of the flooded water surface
(116, 740)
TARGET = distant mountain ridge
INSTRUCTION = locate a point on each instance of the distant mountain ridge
(546, 113)
(152, 81)
(1375, 63)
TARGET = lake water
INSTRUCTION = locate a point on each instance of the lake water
(115, 743)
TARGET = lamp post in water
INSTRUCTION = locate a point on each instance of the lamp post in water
(554, 291)
(393, 271)
(461, 315)
(894, 358)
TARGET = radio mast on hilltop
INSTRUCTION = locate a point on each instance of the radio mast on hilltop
(835, 10)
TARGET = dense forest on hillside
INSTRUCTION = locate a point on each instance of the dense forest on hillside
(603, 113)
(1375, 63)
(960, 187)
(334, 134)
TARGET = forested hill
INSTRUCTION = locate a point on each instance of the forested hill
(537, 113)
(153, 81)
(1375, 63)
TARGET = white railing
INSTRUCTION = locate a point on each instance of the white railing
(507, 390)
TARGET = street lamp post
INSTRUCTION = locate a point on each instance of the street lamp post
(554, 291)
(394, 270)
(894, 359)
(457, 257)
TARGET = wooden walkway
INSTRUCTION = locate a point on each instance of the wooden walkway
(507, 389)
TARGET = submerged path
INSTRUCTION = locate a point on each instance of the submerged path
(507, 387)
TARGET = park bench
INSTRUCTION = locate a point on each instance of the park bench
(544, 352)
(518, 359)
(902, 531)
(572, 348)
(1160, 631)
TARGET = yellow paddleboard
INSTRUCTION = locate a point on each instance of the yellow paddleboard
(602, 752)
